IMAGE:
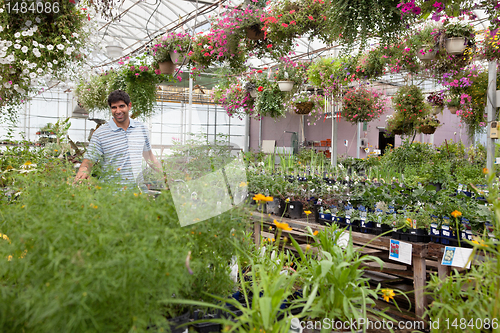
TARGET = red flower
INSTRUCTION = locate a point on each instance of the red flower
(311, 18)
(260, 88)
(284, 24)
(259, 71)
(269, 46)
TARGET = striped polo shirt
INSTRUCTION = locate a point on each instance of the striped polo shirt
(120, 150)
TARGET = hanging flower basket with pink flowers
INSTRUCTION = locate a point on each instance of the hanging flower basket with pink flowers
(362, 105)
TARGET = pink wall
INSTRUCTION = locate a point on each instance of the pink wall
(273, 130)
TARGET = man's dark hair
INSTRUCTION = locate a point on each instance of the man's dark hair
(118, 95)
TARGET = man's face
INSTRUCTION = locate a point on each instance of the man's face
(120, 110)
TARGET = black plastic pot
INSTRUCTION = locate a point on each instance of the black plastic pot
(418, 236)
(295, 209)
(208, 326)
(367, 227)
(317, 209)
(281, 208)
(175, 322)
(396, 235)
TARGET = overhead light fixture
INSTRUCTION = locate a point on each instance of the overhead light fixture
(79, 112)
(114, 51)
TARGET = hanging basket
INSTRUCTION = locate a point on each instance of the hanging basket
(453, 109)
(397, 131)
(286, 85)
(167, 67)
(177, 57)
(303, 107)
(253, 93)
(428, 55)
(427, 129)
(255, 32)
(455, 45)
(436, 109)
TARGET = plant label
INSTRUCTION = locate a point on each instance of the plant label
(457, 257)
(400, 251)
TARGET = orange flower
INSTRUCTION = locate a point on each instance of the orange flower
(456, 213)
(282, 226)
(485, 170)
(315, 232)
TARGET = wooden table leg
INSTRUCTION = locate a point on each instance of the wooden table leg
(419, 280)
(256, 233)
(443, 271)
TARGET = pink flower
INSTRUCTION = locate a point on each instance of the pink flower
(284, 24)
(137, 74)
(157, 72)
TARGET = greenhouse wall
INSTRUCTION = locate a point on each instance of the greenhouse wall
(272, 129)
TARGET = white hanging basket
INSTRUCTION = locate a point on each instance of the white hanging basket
(253, 93)
(428, 55)
(498, 98)
(286, 85)
(437, 109)
(177, 57)
(455, 45)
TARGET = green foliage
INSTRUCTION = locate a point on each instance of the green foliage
(95, 258)
(270, 101)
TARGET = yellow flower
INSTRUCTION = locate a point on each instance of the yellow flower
(4, 237)
(307, 212)
(9, 167)
(408, 220)
(485, 170)
(308, 247)
(260, 197)
(98, 187)
(56, 150)
(136, 194)
(388, 294)
(456, 213)
(282, 226)
(287, 200)
(268, 199)
(243, 184)
(315, 232)
(27, 163)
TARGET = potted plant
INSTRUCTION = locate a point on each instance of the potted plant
(428, 124)
(491, 46)
(436, 99)
(175, 44)
(409, 105)
(306, 102)
(362, 105)
(458, 37)
(426, 42)
(453, 104)
(290, 74)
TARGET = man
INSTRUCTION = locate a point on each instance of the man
(119, 144)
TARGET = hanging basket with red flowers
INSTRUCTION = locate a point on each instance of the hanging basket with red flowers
(362, 105)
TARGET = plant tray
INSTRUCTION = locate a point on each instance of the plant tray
(303, 107)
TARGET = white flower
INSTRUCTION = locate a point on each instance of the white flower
(49, 65)
(26, 71)
(50, 47)
(41, 46)
(18, 41)
(17, 35)
(1, 28)
(37, 19)
(6, 85)
(3, 54)
(5, 48)
(35, 43)
(60, 46)
(39, 70)
(32, 75)
(37, 54)
(24, 49)
(9, 43)
(30, 33)
(1, 10)
(17, 46)
(35, 50)
(28, 23)
(35, 28)
(10, 58)
(74, 35)
(55, 61)
(24, 33)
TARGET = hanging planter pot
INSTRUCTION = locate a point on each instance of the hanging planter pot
(455, 45)
(428, 129)
(255, 32)
(286, 85)
(303, 107)
(437, 109)
(167, 67)
(498, 98)
(453, 109)
(427, 55)
(253, 93)
(177, 57)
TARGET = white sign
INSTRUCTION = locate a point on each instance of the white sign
(456, 257)
(400, 251)
(345, 143)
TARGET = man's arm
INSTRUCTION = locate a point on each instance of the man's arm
(84, 171)
(152, 161)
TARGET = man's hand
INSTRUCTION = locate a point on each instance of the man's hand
(84, 171)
